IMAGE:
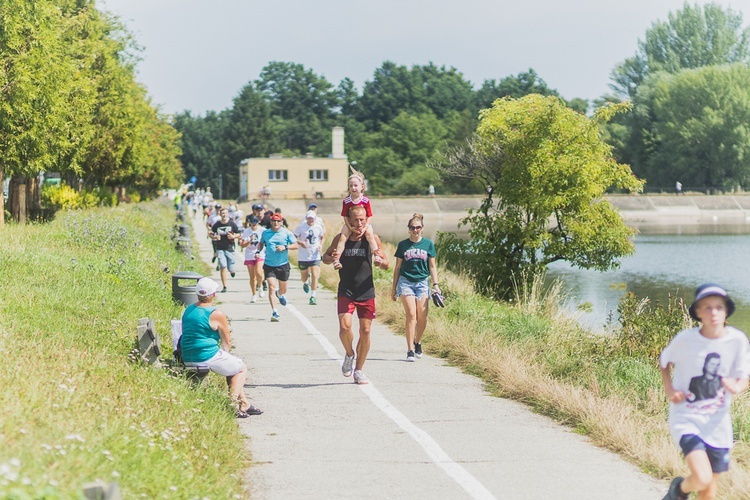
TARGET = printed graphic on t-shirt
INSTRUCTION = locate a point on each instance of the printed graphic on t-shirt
(708, 385)
(416, 253)
(355, 252)
(311, 238)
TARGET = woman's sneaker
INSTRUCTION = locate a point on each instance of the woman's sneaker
(410, 356)
(275, 317)
(360, 378)
(418, 349)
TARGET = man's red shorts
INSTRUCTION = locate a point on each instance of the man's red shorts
(365, 308)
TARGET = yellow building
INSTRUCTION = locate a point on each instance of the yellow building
(297, 178)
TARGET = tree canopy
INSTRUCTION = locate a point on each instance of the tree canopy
(546, 170)
(69, 101)
(689, 101)
(394, 128)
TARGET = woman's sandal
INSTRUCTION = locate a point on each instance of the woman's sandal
(249, 411)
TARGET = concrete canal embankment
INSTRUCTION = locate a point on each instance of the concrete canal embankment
(638, 210)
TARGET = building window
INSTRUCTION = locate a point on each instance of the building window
(277, 175)
(318, 175)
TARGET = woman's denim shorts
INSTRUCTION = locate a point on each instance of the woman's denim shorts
(408, 288)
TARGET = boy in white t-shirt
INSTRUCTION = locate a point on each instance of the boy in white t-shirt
(708, 365)
(310, 237)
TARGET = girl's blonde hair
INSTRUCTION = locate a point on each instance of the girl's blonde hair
(359, 175)
(414, 217)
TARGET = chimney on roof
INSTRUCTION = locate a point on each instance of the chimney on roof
(337, 149)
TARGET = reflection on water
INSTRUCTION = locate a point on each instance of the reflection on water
(662, 265)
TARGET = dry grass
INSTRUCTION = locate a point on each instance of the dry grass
(473, 333)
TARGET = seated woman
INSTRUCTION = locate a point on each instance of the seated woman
(206, 341)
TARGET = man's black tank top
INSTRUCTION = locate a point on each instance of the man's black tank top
(356, 274)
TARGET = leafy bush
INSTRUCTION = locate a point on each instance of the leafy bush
(61, 197)
(646, 327)
(64, 197)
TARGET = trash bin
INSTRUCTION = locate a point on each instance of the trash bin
(184, 291)
(185, 230)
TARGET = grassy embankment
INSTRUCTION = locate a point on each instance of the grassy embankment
(74, 409)
(534, 352)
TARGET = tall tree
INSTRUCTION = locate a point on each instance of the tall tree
(302, 103)
(698, 128)
(42, 91)
(203, 144)
(517, 86)
(393, 89)
(692, 37)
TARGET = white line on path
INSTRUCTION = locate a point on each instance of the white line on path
(460, 475)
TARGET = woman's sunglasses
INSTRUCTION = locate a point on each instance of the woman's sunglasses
(415, 228)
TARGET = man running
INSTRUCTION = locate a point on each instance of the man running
(356, 291)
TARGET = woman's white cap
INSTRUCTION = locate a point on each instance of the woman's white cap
(206, 287)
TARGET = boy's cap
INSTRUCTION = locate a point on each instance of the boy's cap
(206, 287)
(312, 205)
(257, 207)
(277, 217)
(709, 290)
(310, 215)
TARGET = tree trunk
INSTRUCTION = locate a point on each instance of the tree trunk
(17, 194)
(2, 199)
(33, 197)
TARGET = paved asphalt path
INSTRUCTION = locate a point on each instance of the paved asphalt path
(418, 430)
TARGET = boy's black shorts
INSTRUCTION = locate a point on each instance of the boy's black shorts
(719, 457)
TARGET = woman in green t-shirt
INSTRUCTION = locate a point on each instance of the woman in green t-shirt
(415, 263)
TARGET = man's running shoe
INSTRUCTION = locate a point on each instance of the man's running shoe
(360, 378)
(313, 301)
(224, 290)
(232, 274)
(410, 356)
(418, 349)
(281, 298)
(265, 286)
(275, 317)
(346, 368)
(253, 299)
(305, 287)
(261, 293)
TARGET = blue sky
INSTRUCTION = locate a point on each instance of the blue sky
(198, 54)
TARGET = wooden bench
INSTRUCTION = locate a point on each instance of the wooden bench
(149, 349)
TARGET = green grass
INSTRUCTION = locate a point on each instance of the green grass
(75, 409)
